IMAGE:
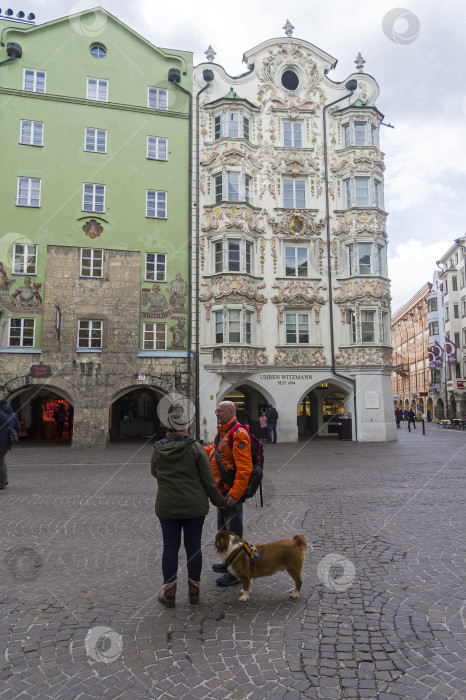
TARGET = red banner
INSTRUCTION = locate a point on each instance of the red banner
(438, 353)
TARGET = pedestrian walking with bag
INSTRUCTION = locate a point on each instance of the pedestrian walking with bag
(9, 425)
(272, 417)
(185, 486)
(231, 463)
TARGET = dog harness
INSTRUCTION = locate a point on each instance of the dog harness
(251, 551)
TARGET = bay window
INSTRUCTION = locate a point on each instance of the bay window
(358, 132)
(232, 186)
(231, 124)
(233, 326)
(366, 259)
(233, 255)
(363, 191)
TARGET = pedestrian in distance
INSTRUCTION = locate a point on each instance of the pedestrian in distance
(398, 417)
(263, 426)
(184, 487)
(232, 448)
(60, 415)
(411, 419)
(8, 421)
(272, 417)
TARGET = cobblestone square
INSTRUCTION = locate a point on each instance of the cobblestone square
(381, 612)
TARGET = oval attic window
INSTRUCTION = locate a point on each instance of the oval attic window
(290, 80)
(98, 51)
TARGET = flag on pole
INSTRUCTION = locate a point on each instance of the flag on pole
(432, 359)
(438, 352)
(450, 349)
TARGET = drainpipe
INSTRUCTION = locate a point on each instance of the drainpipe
(208, 76)
(14, 51)
(174, 76)
(351, 85)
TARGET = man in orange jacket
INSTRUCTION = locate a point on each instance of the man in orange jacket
(236, 459)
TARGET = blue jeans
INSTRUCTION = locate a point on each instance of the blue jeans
(272, 428)
(231, 519)
(171, 532)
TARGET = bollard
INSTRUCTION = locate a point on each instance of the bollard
(409, 426)
(423, 427)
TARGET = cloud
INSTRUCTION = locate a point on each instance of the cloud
(413, 266)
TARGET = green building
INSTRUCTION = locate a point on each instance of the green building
(95, 227)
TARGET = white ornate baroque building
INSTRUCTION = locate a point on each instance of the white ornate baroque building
(290, 244)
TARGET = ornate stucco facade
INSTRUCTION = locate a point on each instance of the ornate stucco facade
(290, 229)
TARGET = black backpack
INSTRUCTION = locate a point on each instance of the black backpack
(257, 457)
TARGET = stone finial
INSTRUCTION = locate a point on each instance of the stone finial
(288, 27)
(359, 62)
(210, 53)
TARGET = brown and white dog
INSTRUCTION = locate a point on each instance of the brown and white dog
(283, 555)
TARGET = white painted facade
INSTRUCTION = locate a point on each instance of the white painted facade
(266, 293)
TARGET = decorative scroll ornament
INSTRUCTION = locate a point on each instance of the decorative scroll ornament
(299, 356)
(245, 356)
(92, 228)
(364, 356)
(295, 222)
(232, 288)
(298, 292)
(239, 218)
(362, 290)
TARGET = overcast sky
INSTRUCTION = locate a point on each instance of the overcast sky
(415, 52)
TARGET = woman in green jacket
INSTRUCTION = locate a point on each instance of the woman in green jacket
(185, 486)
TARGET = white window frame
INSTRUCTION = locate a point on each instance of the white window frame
(297, 203)
(159, 204)
(93, 137)
(39, 80)
(298, 252)
(298, 321)
(351, 128)
(97, 197)
(231, 124)
(158, 145)
(375, 192)
(157, 98)
(31, 133)
(151, 336)
(25, 324)
(92, 326)
(25, 261)
(373, 314)
(97, 89)
(95, 267)
(378, 264)
(152, 273)
(295, 138)
(227, 190)
(224, 320)
(33, 186)
(222, 256)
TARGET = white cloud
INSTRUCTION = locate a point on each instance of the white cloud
(413, 266)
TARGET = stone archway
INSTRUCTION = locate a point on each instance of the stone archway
(250, 402)
(39, 408)
(440, 410)
(133, 414)
(320, 411)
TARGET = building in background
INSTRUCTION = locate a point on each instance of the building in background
(95, 226)
(411, 377)
(453, 286)
(436, 321)
(290, 239)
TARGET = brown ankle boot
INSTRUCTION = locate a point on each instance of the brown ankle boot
(193, 588)
(168, 594)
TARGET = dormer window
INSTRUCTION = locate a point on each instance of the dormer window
(231, 124)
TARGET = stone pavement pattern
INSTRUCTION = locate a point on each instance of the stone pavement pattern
(81, 549)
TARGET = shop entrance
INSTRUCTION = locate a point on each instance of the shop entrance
(134, 415)
(43, 415)
(320, 413)
(308, 421)
(250, 404)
